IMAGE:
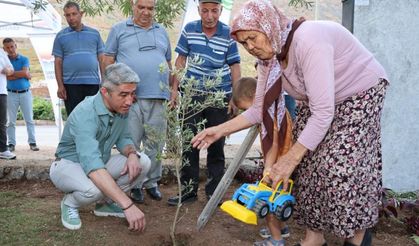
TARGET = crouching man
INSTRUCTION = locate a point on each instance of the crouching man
(84, 168)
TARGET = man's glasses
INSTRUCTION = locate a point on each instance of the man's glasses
(146, 47)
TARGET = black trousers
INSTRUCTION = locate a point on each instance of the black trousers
(3, 122)
(215, 153)
(76, 94)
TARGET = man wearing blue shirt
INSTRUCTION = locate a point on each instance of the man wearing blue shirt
(210, 41)
(78, 52)
(19, 95)
(145, 47)
(85, 169)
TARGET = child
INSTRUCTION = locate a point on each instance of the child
(243, 95)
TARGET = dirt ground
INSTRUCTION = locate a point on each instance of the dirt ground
(221, 229)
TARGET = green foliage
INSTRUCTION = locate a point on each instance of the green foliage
(179, 134)
(166, 11)
(42, 110)
(64, 114)
(300, 3)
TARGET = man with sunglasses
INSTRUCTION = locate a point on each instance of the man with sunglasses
(144, 46)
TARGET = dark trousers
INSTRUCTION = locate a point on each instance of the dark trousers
(3, 122)
(215, 153)
(76, 94)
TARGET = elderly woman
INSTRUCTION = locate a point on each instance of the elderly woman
(336, 158)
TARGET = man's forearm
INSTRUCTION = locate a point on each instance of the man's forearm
(106, 61)
(104, 181)
(102, 66)
(11, 77)
(58, 72)
(180, 64)
(235, 72)
(18, 75)
(129, 149)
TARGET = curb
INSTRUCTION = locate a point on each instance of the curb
(10, 171)
(37, 123)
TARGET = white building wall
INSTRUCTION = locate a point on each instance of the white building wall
(390, 29)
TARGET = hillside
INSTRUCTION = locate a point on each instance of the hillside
(326, 10)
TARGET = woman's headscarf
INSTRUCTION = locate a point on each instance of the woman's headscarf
(263, 16)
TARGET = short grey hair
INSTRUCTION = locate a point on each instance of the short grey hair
(71, 4)
(119, 73)
(136, 1)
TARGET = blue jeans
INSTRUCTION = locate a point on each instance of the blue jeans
(24, 101)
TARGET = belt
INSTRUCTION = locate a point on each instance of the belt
(18, 91)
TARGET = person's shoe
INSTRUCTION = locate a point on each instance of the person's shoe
(265, 233)
(186, 197)
(11, 147)
(7, 155)
(270, 242)
(33, 147)
(154, 193)
(70, 217)
(109, 209)
(299, 244)
(366, 240)
(137, 195)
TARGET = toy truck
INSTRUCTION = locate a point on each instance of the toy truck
(251, 201)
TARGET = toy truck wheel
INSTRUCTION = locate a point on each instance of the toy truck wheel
(285, 211)
(261, 209)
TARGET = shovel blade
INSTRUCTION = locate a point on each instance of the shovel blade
(239, 212)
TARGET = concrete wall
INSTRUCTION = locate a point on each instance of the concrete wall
(390, 29)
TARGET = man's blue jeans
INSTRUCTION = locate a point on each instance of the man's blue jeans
(24, 101)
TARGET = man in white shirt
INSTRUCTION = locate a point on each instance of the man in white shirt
(6, 69)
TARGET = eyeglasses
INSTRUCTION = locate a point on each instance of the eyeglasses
(147, 47)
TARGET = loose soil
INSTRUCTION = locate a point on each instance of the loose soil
(221, 229)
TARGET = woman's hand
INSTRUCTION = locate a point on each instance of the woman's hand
(286, 164)
(282, 170)
(205, 138)
(266, 172)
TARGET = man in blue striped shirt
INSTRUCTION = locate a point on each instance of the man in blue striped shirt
(209, 40)
(78, 51)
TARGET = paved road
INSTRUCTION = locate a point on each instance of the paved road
(47, 135)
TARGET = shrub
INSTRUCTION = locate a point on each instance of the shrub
(42, 110)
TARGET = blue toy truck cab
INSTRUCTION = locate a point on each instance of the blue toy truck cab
(259, 199)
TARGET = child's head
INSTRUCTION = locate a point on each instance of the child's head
(244, 92)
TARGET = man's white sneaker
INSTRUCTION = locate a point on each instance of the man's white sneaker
(7, 155)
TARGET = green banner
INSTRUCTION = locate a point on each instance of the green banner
(228, 4)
